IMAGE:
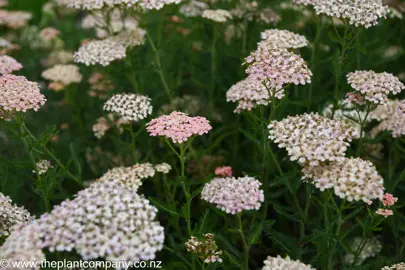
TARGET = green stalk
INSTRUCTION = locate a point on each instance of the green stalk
(245, 246)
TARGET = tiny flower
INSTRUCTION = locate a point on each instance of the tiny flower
(63, 74)
(49, 33)
(390, 117)
(398, 266)
(225, 171)
(389, 199)
(43, 166)
(384, 212)
(101, 52)
(131, 107)
(282, 39)
(163, 168)
(278, 263)
(8, 65)
(371, 247)
(206, 249)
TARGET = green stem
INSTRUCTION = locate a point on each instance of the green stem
(213, 69)
(133, 137)
(159, 68)
(362, 125)
(337, 233)
(305, 214)
(245, 246)
(319, 27)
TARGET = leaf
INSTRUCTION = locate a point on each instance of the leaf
(256, 235)
(249, 136)
(233, 260)
(170, 209)
(196, 192)
(223, 241)
(47, 135)
(333, 37)
(281, 211)
(284, 242)
(203, 220)
(75, 158)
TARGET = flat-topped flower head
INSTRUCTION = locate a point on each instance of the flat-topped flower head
(101, 52)
(371, 247)
(49, 33)
(401, 108)
(217, 15)
(305, 2)
(19, 94)
(65, 74)
(206, 249)
(234, 195)
(279, 263)
(11, 215)
(249, 93)
(353, 179)
(43, 166)
(178, 126)
(312, 139)
(391, 119)
(389, 199)
(106, 220)
(98, 4)
(223, 171)
(14, 19)
(282, 39)
(131, 107)
(278, 67)
(193, 8)
(364, 13)
(8, 65)
(375, 87)
(398, 266)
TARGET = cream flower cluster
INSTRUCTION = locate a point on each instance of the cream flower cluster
(98, 4)
(99, 85)
(65, 74)
(351, 179)
(359, 12)
(14, 19)
(103, 124)
(131, 107)
(282, 39)
(106, 220)
(178, 126)
(8, 65)
(234, 195)
(194, 8)
(11, 215)
(401, 108)
(267, 16)
(49, 33)
(279, 263)
(375, 87)
(43, 166)
(206, 249)
(398, 266)
(305, 2)
(217, 15)
(19, 94)
(130, 38)
(101, 52)
(371, 247)
(391, 119)
(278, 67)
(132, 176)
(312, 139)
(249, 93)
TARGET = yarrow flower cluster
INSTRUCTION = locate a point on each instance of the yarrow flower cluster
(49, 33)
(375, 87)
(282, 39)
(43, 166)
(388, 200)
(390, 117)
(312, 139)
(217, 15)
(106, 220)
(351, 179)
(131, 107)
(14, 19)
(103, 124)
(19, 94)
(277, 66)
(178, 126)
(371, 247)
(398, 266)
(359, 12)
(194, 8)
(99, 85)
(101, 52)
(64, 74)
(206, 249)
(130, 38)
(224, 171)
(249, 93)
(305, 2)
(278, 263)
(234, 195)
(163, 168)
(11, 215)
(98, 4)
(8, 65)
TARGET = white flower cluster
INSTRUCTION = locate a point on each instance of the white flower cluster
(282, 39)
(11, 215)
(305, 2)
(106, 220)
(391, 118)
(312, 139)
(351, 179)
(65, 74)
(278, 263)
(130, 38)
(359, 12)
(206, 250)
(132, 176)
(250, 93)
(347, 113)
(375, 86)
(43, 166)
(194, 8)
(131, 107)
(233, 195)
(217, 15)
(101, 52)
(371, 247)
(398, 266)
(98, 4)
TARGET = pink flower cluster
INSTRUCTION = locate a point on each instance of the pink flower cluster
(19, 94)
(388, 200)
(278, 67)
(178, 126)
(233, 195)
(223, 171)
(8, 65)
